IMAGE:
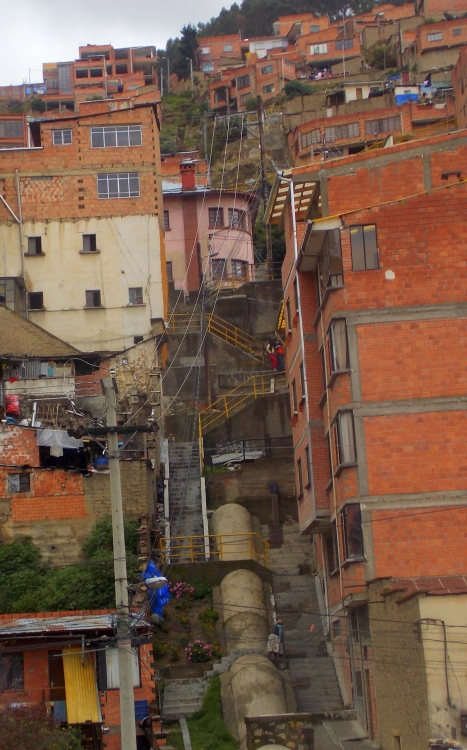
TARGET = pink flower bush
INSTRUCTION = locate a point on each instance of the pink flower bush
(199, 651)
(182, 590)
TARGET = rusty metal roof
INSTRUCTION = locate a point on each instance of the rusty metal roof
(25, 625)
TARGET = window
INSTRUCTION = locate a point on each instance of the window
(138, 339)
(345, 439)
(269, 89)
(35, 246)
(19, 482)
(364, 247)
(136, 295)
(89, 243)
(228, 48)
(318, 49)
(358, 684)
(207, 67)
(169, 271)
(11, 671)
(36, 300)
(330, 270)
(96, 72)
(205, 50)
(295, 295)
(339, 346)
(342, 131)
(118, 185)
(308, 465)
(62, 137)
(353, 534)
(243, 82)
(330, 543)
(266, 70)
(237, 218)
(166, 220)
(112, 136)
(216, 217)
(218, 268)
(308, 139)
(299, 477)
(436, 37)
(288, 316)
(294, 397)
(456, 32)
(239, 269)
(111, 658)
(301, 370)
(12, 129)
(344, 44)
(314, 29)
(93, 298)
(336, 629)
(121, 54)
(82, 73)
(385, 125)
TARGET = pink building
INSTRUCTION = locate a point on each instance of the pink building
(208, 233)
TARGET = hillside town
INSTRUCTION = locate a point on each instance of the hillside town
(233, 474)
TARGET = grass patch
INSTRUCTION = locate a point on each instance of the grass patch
(207, 728)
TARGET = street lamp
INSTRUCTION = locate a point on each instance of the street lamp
(191, 75)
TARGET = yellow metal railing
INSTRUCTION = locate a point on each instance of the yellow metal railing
(233, 335)
(248, 546)
(181, 322)
(225, 406)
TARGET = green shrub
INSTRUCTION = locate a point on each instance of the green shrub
(202, 589)
(298, 88)
(209, 616)
(159, 649)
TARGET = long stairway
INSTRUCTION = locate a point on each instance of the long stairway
(221, 329)
(314, 675)
(186, 518)
(182, 698)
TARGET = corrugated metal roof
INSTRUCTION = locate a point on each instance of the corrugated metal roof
(26, 625)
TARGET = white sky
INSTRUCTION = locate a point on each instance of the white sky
(37, 31)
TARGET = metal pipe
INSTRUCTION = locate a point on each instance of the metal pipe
(21, 238)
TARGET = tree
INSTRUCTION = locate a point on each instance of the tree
(298, 88)
(29, 728)
(187, 48)
(381, 56)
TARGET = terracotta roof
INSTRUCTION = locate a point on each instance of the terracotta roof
(431, 586)
(22, 338)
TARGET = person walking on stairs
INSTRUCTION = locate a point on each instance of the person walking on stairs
(276, 641)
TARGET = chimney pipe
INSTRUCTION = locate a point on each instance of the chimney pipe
(187, 171)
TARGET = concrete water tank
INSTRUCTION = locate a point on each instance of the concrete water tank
(244, 608)
(257, 690)
(232, 526)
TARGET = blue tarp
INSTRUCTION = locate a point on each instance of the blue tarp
(157, 598)
(403, 98)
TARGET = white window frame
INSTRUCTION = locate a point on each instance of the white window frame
(62, 137)
(228, 47)
(134, 296)
(116, 136)
(435, 36)
(319, 49)
(205, 50)
(111, 664)
(118, 185)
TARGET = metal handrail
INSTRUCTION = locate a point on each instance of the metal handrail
(223, 546)
(254, 387)
(233, 335)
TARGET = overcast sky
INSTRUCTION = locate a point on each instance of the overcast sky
(37, 31)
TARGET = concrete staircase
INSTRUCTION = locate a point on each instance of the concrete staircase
(186, 518)
(183, 698)
(291, 562)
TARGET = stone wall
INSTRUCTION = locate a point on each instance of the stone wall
(294, 731)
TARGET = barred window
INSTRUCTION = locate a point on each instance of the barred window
(116, 135)
(118, 185)
(338, 132)
(243, 82)
(310, 138)
(344, 44)
(385, 125)
(62, 137)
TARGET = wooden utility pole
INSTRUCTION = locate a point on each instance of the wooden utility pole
(264, 184)
(125, 669)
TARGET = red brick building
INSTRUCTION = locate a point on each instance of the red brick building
(215, 52)
(374, 285)
(459, 84)
(67, 663)
(13, 131)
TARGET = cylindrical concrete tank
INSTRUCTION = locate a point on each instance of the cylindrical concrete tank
(232, 526)
(257, 690)
(245, 614)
